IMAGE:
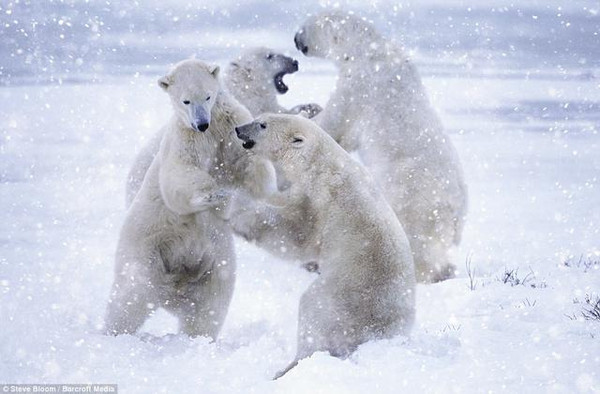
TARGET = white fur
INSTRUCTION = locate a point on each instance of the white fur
(175, 248)
(283, 232)
(380, 108)
(140, 166)
(366, 286)
(250, 79)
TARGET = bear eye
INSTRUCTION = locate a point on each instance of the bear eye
(263, 125)
(186, 102)
(297, 140)
(208, 98)
(269, 56)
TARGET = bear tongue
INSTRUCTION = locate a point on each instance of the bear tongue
(279, 85)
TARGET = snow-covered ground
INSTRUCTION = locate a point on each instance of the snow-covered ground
(519, 91)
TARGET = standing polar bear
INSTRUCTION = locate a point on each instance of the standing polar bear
(255, 79)
(380, 109)
(175, 248)
(366, 289)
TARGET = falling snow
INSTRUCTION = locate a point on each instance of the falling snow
(518, 89)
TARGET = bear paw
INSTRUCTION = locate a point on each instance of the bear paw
(310, 110)
(209, 200)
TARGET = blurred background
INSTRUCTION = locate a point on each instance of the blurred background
(77, 40)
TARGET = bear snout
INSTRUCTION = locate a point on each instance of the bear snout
(202, 126)
(244, 133)
(300, 42)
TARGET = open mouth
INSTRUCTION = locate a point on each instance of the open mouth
(290, 66)
(281, 87)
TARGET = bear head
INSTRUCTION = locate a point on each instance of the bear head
(289, 141)
(193, 87)
(336, 35)
(263, 69)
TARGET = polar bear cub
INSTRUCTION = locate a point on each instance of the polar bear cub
(255, 78)
(366, 289)
(175, 249)
(380, 108)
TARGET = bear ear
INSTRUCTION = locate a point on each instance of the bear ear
(164, 82)
(214, 70)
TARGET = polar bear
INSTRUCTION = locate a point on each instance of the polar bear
(176, 248)
(255, 79)
(366, 289)
(380, 109)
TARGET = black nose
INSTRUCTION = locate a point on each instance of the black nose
(299, 44)
(202, 126)
(248, 144)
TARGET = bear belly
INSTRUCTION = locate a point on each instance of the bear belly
(185, 255)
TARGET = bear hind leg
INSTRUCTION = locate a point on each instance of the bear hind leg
(203, 314)
(432, 263)
(129, 306)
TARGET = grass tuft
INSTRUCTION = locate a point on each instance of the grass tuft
(591, 308)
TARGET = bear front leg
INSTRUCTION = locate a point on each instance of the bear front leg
(259, 177)
(291, 197)
(336, 117)
(219, 200)
(140, 167)
(186, 189)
